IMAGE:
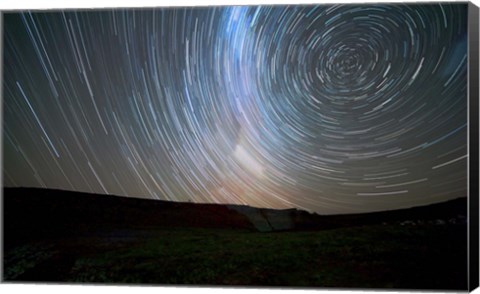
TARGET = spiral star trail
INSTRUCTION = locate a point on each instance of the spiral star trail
(332, 109)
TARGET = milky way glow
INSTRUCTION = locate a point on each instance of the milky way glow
(328, 108)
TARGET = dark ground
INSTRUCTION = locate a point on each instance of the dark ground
(58, 236)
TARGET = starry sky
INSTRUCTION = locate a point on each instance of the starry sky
(331, 109)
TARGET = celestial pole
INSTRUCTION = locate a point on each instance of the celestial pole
(328, 108)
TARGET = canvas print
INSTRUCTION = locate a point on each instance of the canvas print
(318, 146)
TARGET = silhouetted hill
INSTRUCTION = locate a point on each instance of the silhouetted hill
(30, 212)
(453, 211)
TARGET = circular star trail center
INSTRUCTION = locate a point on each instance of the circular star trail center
(332, 109)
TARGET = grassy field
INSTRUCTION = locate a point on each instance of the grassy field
(377, 256)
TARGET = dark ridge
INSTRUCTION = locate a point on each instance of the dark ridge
(37, 212)
(452, 211)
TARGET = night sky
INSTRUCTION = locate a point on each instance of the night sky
(332, 109)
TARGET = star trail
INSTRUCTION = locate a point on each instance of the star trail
(328, 108)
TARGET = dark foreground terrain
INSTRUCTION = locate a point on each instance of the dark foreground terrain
(60, 236)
